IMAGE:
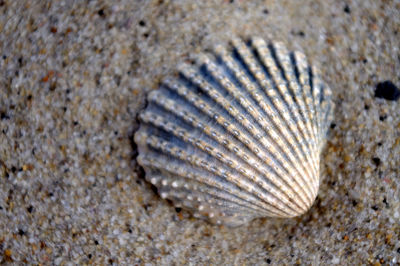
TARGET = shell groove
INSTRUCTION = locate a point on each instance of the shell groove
(238, 134)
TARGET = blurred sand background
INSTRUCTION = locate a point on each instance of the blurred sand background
(74, 75)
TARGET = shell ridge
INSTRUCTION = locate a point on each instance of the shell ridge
(315, 82)
(293, 149)
(296, 129)
(223, 204)
(297, 59)
(202, 162)
(329, 108)
(295, 105)
(214, 70)
(194, 161)
(306, 79)
(237, 133)
(281, 60)
(302, 96)
(223, 104)
(328, 116)
(220, 143)
(308, 82)
(202, 145)
(197, 176)
(279, 102)
(244, 83)
(243, 105)
(316, 89)
(322, 96)
(274, 102)
(305, 95)
(198, 199)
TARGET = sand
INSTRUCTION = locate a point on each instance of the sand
(74, 75)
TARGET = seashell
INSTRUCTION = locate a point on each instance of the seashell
(238, 134)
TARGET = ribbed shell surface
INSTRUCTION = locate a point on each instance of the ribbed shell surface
(237, 134)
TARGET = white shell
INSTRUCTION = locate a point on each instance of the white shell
(237, 135)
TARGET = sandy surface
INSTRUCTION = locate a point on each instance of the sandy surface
(73, 78)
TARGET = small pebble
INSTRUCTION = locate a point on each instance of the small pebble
(387, 90)
(346, 9)
(376, 161)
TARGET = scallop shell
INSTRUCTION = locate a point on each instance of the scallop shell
(238, 134)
